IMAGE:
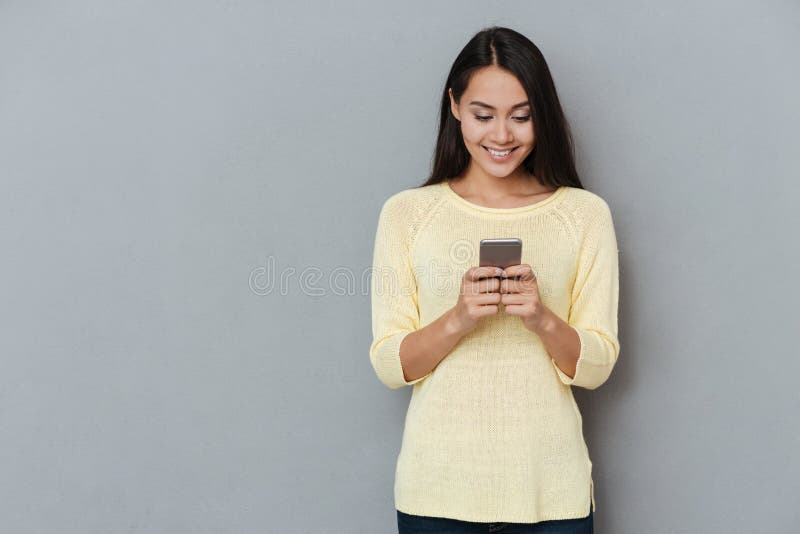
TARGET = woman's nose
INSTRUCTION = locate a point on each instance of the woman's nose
(502, 133)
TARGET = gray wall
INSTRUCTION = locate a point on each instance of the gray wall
(158, 159)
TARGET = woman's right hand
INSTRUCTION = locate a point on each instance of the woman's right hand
(478, 297)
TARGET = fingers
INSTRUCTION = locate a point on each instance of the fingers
(512, 279)
(510, 299)
(476, 273)
(522, 271)
(478, 280)
(485, 311)
(484, 304)
(487, 298)
(489, 285)
(481, 287)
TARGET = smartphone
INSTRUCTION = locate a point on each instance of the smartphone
(500, 252)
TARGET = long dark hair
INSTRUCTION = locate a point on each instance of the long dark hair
(552, 159)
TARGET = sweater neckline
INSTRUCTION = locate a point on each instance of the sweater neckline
(463, 202)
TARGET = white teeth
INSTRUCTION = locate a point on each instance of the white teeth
(495, 153)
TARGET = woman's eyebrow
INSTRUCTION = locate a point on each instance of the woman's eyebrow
(515, 106)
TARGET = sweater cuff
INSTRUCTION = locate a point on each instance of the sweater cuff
(387, 362)
(595, 362)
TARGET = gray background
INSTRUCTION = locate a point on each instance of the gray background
(160, 158)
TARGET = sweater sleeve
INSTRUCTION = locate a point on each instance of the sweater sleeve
(393, 295)
(594, 302)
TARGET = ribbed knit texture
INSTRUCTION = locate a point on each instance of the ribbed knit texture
(493, 433)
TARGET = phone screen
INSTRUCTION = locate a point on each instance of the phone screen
(500, 252)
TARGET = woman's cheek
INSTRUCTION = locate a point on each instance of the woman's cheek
(472, 134)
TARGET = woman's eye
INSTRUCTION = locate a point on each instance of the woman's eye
(483, 118)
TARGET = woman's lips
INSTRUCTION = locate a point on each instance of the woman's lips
(500, 159)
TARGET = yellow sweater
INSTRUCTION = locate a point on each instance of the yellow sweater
(493, 433)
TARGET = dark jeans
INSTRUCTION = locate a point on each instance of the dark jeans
(418, 524)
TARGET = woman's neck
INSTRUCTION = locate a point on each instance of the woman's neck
(511, 191)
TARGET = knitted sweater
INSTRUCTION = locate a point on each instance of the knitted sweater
(493, 433)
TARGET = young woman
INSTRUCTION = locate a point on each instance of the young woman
(493, 439)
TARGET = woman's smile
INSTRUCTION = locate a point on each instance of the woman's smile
(499, 156)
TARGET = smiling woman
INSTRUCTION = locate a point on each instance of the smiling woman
(493, 436)
(500, 96)
(495, 133)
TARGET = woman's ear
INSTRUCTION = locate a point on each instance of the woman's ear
(453, 106)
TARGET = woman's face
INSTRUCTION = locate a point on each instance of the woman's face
(495, 114)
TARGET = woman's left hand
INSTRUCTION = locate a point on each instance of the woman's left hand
(520, 296)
